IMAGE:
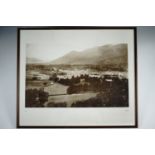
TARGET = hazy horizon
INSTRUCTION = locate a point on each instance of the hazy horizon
(48, 45)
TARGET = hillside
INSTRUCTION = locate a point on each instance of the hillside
(113, 55)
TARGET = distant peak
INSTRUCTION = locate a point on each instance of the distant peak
(73, 52)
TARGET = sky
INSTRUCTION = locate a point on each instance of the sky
(48, 45)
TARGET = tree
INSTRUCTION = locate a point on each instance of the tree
(43, 96)
(36, 98)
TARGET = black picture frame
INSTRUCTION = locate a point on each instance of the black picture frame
(135, 125)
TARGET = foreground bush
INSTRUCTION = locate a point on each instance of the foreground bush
(36, 98)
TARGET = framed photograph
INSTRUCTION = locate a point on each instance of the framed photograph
(77, 77)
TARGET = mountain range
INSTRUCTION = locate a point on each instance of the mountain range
(113, 55)
(107, 55)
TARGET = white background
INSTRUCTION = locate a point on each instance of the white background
(88, 142)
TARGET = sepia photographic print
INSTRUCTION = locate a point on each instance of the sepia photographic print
(77, 68)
